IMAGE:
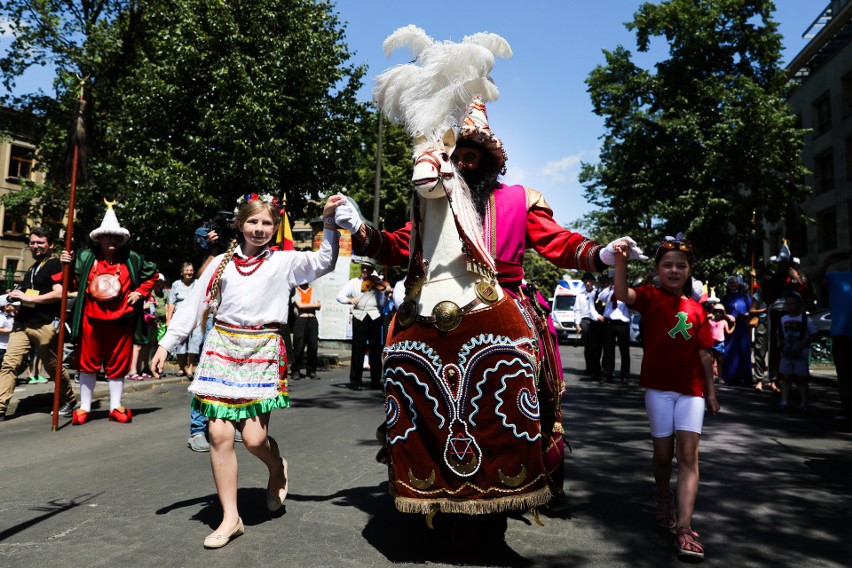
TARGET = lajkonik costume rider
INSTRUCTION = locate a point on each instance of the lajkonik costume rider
(513, 218)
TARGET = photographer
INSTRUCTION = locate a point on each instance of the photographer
(208, 236)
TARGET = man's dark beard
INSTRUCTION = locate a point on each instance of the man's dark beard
(482, 185)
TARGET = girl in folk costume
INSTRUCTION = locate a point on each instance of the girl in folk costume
(107, 315)
(241, 375)
(677, 373)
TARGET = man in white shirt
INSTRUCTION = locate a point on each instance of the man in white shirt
(367, 302)
(589, 323)
(616, 328)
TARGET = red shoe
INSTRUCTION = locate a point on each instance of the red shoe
(79, 417)
(121, 414)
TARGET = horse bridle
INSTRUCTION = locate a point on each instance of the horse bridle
(429, 156)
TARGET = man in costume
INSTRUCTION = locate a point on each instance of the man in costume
(114, 283)
(514, 218)
(367, 302)
(36, 323)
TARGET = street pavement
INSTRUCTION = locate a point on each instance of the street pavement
(776, 489)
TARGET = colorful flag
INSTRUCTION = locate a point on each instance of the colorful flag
(285, 235)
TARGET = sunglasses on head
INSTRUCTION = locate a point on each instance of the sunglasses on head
(682, 246)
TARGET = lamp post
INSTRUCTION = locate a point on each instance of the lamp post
(378, 188)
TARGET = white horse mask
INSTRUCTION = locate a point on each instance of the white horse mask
(432, 165)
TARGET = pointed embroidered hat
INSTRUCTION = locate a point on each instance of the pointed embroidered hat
(476, 129)
(110, 226)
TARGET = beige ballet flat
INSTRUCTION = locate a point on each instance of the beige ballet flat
(275, 502)
(219, 540)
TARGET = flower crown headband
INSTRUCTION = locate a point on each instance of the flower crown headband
(249, 197)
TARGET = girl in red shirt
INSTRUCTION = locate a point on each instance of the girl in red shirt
(677, 373)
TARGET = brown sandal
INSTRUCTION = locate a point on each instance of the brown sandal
(686, 537)
(666, 518)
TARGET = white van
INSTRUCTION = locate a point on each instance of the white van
(562, 308)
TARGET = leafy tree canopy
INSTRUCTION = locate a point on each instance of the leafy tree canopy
(395, 188)
(190, 104)
(702, 141)
(542, 273)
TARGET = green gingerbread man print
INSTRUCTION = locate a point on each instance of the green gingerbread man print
(682, 327)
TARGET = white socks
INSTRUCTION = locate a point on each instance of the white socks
(87, 387)
(116, 388)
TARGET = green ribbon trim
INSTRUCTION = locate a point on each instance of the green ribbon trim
(227, 411)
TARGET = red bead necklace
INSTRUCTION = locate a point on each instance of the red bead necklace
(250, 266)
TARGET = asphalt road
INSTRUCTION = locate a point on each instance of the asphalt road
(776, 489)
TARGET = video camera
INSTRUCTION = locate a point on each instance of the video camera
(222, 224)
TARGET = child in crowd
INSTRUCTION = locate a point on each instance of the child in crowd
(241, 375)
(721, 326)
(797, 330)
(677, 373)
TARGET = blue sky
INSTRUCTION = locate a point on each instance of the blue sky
(544, 114)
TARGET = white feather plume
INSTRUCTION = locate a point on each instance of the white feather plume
(410, 36)
(492, 42)
(431, 94)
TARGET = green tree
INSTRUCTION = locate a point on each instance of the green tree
(702, 141)
(542, 273)
(192, 103)
(396, 189)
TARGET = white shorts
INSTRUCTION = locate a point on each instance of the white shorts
(795, 367)
(670, 411)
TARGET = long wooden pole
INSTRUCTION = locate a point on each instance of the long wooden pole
(66, 268)
(753, 246)
(377, 190)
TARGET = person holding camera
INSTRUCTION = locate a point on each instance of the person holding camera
(35, 323)
(107, 315)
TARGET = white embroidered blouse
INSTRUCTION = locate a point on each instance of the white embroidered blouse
(261, 298)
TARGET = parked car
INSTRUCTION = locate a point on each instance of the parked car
(821, 346)
(822, 321)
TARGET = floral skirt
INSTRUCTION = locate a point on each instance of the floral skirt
(241, 373)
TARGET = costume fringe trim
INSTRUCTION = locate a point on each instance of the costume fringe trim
(476, 506)
(558, 428)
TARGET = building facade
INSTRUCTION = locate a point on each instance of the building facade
(17, 164)
(821, 75)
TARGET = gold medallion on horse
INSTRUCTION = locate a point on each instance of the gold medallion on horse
(447, 315)
(486, 292)
(407, 313)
